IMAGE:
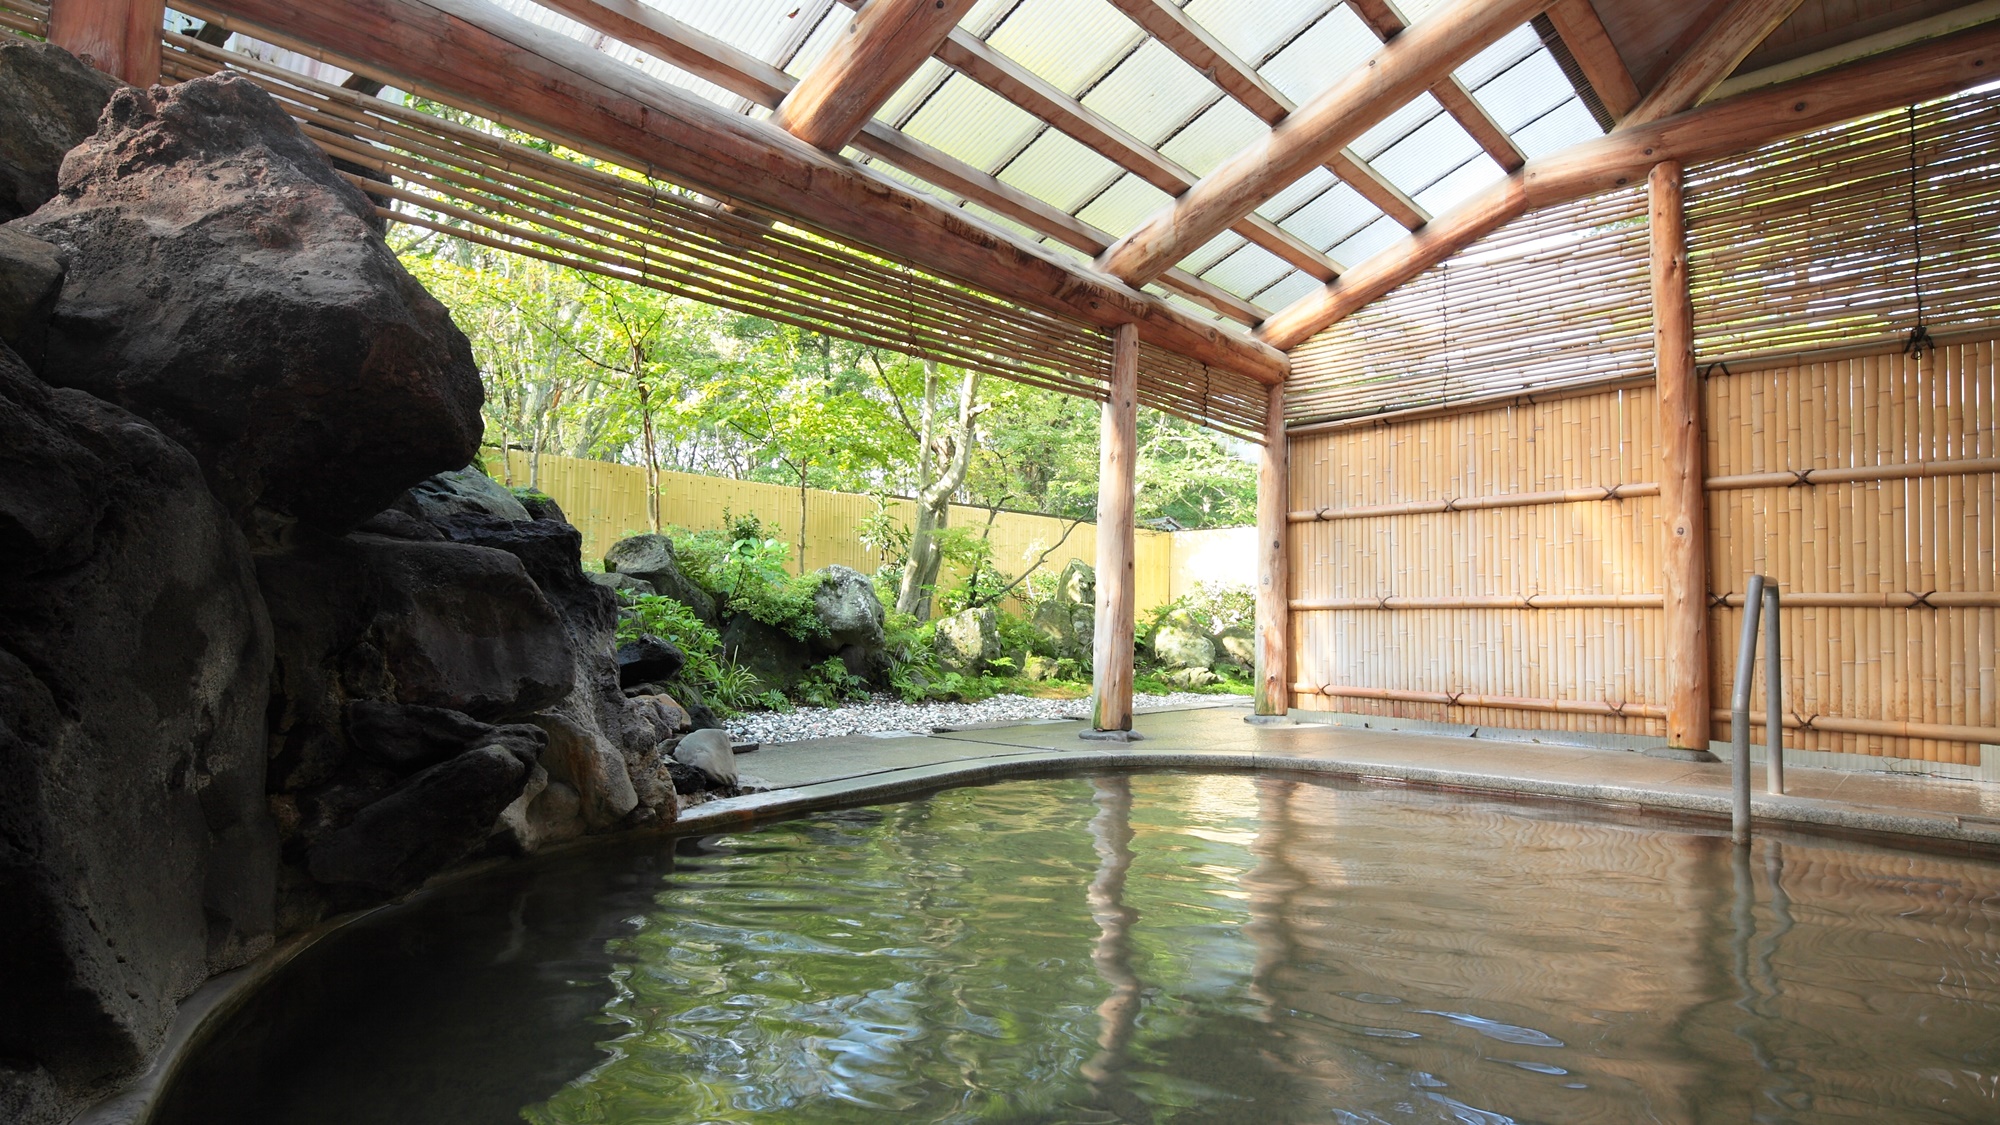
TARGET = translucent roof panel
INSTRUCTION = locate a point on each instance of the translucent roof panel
(1067, 43)
(1256, 31)
(1525, 91)
(1122, 205)
(1432, 151)
(1222, 131)
(1248, 270)
(1329, 48)
(1060, 171)
(1151, 94)
(1331, 219)
(972, 123)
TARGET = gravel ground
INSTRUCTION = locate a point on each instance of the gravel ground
(884, 713)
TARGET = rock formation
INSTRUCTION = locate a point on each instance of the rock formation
(268, 650)
(228, 286)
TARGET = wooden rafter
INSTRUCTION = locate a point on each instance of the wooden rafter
(1926, 70)
(760, 83)
(568, 92)
(1200, 49)
(1403, 68)
(1590, 45)
(876, 53)
(1725, 43)
(1386, 22)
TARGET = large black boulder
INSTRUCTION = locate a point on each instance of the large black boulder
(31, 273)
(50, 100)
(778, 659)
(137, 856)
(407, 737)
(227, 285)
(649, 659)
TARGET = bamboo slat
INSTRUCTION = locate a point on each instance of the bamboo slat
(1497, 702)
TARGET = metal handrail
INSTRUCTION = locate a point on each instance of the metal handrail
(1760, 600)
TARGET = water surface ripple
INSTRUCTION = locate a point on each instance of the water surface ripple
(1157, 948)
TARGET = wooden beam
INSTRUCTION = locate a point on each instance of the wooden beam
(1931, 69)
(875, 54)
(1591, 46)
(119, 37)
(1386, 22)
(1274, 589)
(1403, 68)
(1725, 43)
(1117, 591)
(565, 90)
(760, 83)
(1178, 32)
(1683, 445)
(972, 57)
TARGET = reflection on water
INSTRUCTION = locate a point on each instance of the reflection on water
(1165, 948)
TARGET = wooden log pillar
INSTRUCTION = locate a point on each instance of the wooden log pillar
(1111, 650)
(1683, 446)
(119, 37)
(1274, 586)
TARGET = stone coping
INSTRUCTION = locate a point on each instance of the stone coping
(981, 760)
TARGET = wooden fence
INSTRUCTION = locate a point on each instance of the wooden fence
(607, 502)
(1502, 566)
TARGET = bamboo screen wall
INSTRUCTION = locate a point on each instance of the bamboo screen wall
(591, 214)
(1500, 563)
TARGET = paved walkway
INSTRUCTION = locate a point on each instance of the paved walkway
(839, 771)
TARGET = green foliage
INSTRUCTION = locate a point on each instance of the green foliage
(830, 684)
(724, 685)
(746, 570)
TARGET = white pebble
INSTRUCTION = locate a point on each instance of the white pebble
(884, 713)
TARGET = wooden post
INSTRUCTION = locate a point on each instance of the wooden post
(1683, 504)
(119, 37)
(1111, 650)
(1274, 587)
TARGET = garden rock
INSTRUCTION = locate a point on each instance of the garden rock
(448, 494)
(1181, 643)
(137, 855)
(1040, 669)
(849, 608)
(433, 820)
(1077, 584)
(650, 558)
(622, 584)
(778, 659)
(649, 659)
(50, 100)
(1068, 627)
(228, 286)
(711, 752)
(583, 758)
(1237, 644)
(967, 642)
(31, 273)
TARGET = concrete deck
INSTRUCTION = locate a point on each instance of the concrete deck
(797, 776)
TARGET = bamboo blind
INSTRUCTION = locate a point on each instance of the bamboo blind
(1558, 298)
(592, 215)
(26, 17)
(1842, 236)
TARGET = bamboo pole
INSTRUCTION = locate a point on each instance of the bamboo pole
(1682, 444)
(1111, 709)
(1478, 503)
(1498, 702)
(1888, 728)
(1495, 601)
(1273, 564)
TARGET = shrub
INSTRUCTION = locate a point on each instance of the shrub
(723, 684)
